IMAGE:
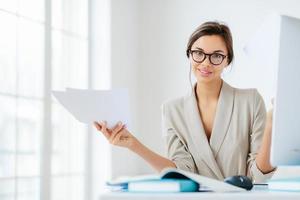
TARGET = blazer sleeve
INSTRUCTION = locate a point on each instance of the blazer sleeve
(256, 135)
(177, 150)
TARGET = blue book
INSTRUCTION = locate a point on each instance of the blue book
(172, 180)
(163, 185)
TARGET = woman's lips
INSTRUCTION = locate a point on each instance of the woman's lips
(204, 73)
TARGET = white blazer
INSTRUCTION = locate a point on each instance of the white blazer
(235, 140)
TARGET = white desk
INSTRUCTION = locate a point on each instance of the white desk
(258, 193)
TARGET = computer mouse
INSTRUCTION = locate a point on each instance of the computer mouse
(240, 181)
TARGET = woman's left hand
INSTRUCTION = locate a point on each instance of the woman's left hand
(263, 157)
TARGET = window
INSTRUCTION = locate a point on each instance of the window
(25, 107)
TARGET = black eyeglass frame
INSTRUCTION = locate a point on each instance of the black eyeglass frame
(205, 55)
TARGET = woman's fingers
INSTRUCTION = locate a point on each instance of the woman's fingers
(101, 126)
(97, 125)
(120, 136)
(116, 126)
(113, 135)
(115, 131)
(116, 139)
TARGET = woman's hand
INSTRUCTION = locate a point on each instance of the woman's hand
(263, 157)
(118, 135)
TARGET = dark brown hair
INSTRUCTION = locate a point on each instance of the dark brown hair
(212, 28)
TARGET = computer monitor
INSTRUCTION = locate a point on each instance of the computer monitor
(285, 148)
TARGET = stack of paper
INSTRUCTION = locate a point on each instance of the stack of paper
(291, 184)
(88, 106)
(286, 178)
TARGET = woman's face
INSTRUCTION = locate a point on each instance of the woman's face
(207, 71)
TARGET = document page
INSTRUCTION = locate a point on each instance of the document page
(88, 106)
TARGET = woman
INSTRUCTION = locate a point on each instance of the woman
(217, 131)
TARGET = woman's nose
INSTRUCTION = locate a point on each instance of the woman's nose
(206, 61)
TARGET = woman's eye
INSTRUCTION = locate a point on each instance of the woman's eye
(216, 55)
(199, 53)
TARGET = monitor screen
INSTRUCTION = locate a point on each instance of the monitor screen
(285, 148)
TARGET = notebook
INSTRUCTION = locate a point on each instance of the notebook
(172, 180)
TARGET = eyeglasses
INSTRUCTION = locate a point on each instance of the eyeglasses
(214, 58)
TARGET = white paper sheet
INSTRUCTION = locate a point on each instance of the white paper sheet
(88, 106)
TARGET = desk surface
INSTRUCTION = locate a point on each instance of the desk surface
(258, 193)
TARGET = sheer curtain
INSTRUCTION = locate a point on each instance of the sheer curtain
(43, 150)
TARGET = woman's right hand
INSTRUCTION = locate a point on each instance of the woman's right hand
(118, 135)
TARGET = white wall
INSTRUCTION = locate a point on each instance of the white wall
(124, 73)
(148, 56)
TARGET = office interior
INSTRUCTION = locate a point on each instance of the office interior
(45, 153)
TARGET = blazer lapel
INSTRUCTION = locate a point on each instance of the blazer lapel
(200, 148)
(222, 117)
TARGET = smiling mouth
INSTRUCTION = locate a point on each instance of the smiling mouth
(204, 72)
